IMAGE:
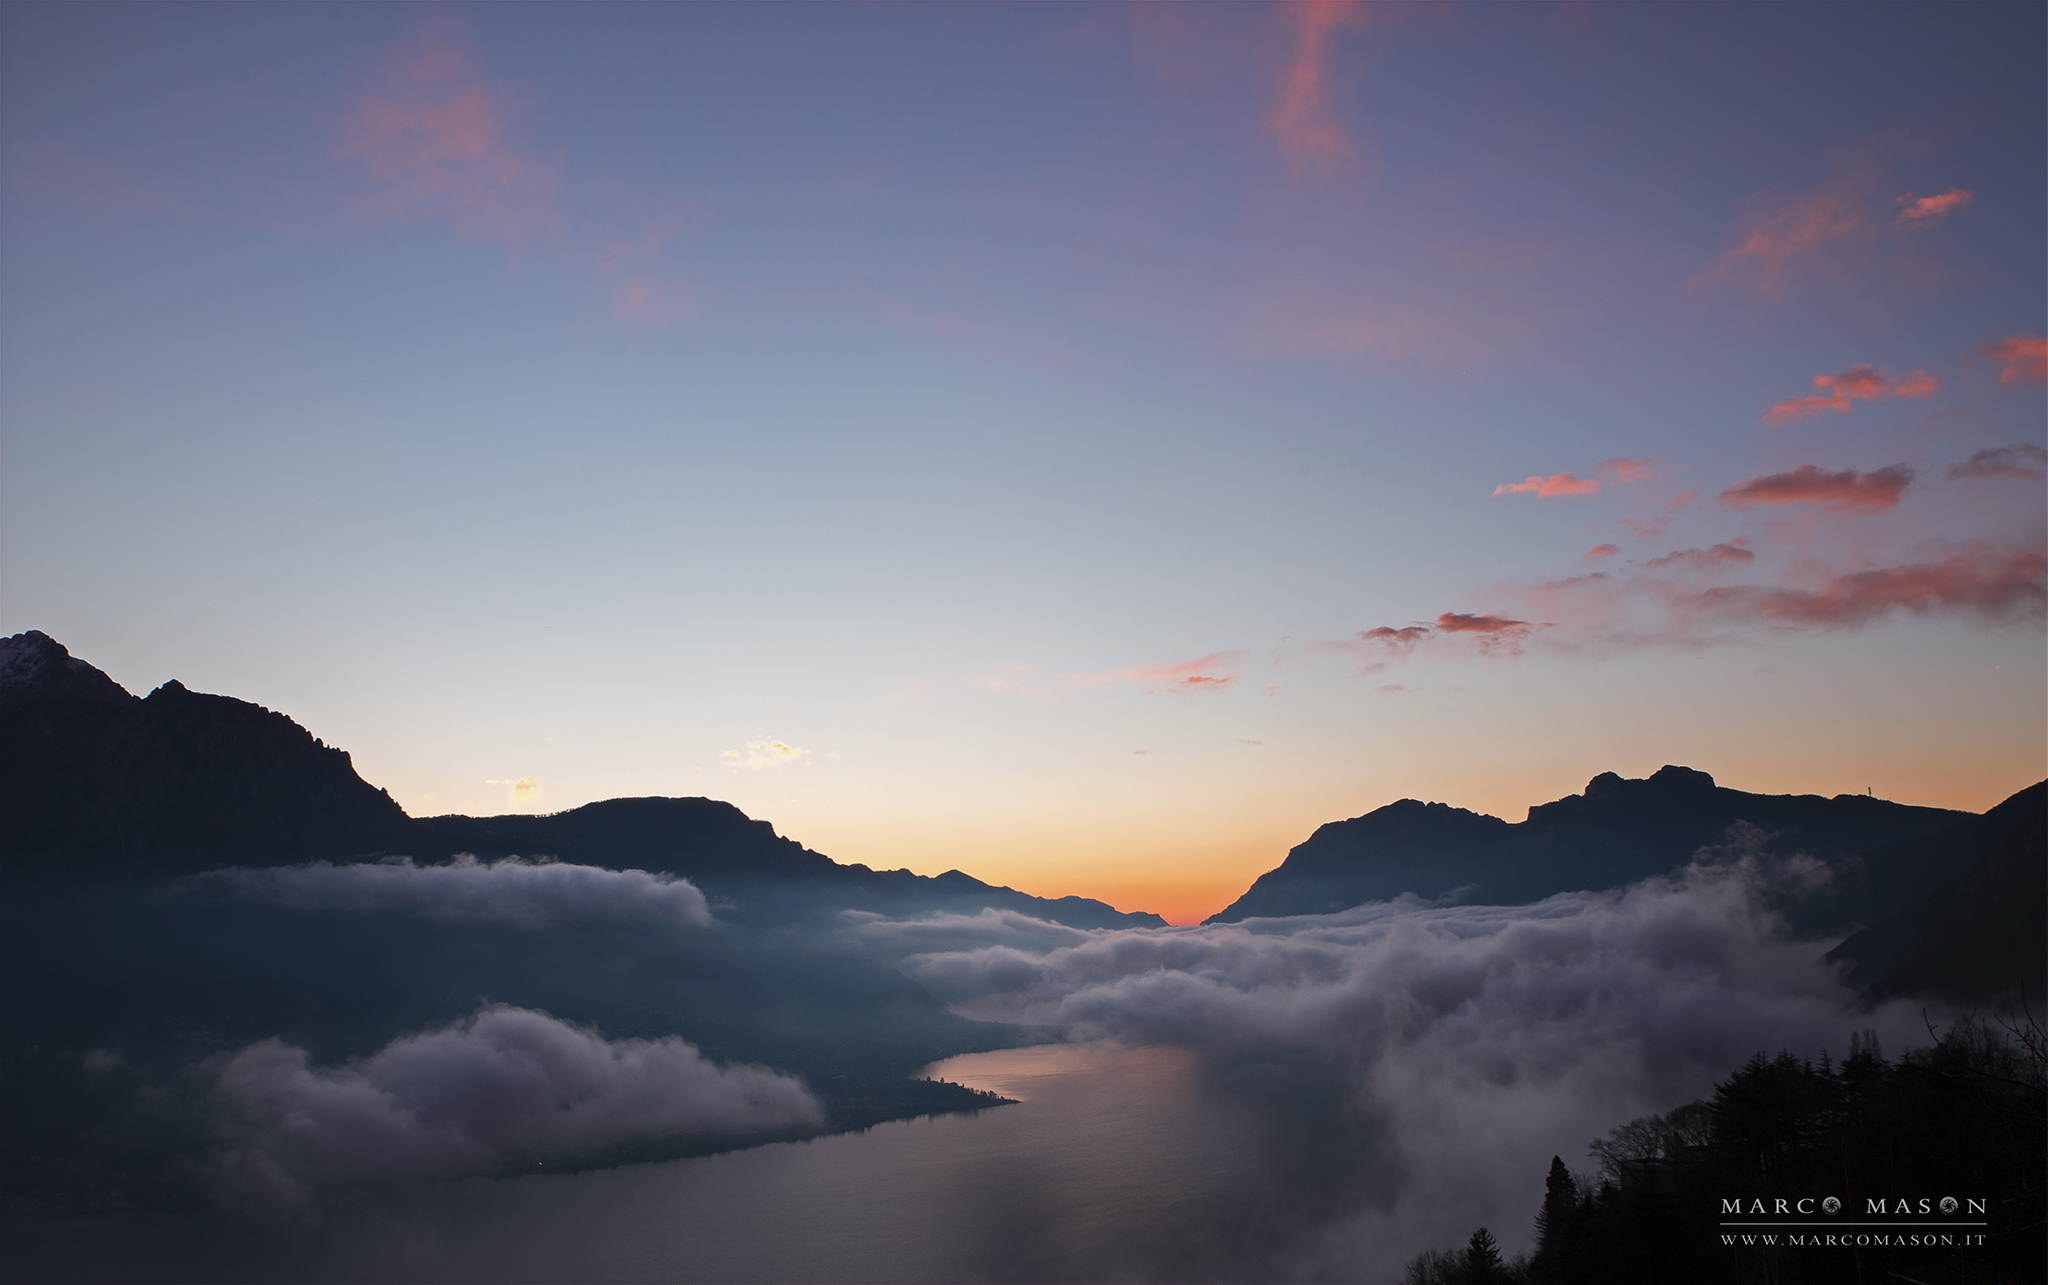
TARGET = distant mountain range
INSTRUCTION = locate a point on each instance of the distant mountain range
(1615, 833)
(101, 784)
(1957, 903)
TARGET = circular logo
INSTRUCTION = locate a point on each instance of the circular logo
(1948, 1204)
(1832, 1205)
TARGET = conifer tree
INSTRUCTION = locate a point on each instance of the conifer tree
(1483, 1265)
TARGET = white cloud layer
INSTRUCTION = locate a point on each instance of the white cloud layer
(502, 1084)
(1419, 1066)
(514, 892)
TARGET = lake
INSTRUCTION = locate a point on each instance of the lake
(1114, 1165)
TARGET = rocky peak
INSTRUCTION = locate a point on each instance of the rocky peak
(35, 666)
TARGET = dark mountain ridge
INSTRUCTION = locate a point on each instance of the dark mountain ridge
(1617, 831)
(1980, 937)
(100, 784)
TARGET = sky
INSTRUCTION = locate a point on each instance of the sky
(1085, 446)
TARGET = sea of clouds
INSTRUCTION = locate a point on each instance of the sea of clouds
(1411, 1067)
(501, 1085)
(1416, 1067)
(514, 892)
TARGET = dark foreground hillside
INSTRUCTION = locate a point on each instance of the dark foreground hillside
(1927, 1168)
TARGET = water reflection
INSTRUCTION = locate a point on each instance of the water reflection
(1113, 1166)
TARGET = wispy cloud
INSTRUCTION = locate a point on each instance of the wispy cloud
(763, 754)
(2025, 358)
(1379, 645)
(523, 789)
(1552, 487)
(1215, 672)
(1619, 472)
(1720, 555)
(1922, 211)
(2003, 461)
(1845, 492)
(437, 139)
(1308, 131)
(1772, 235)
(1986, 580)
(1209, 673)
(1846, 227)
(1860, 383)
(1600, 551)
(1611, 472)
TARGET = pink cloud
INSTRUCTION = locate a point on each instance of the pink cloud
(1991, 581)
(1401, 639)
(1599, 551)
(2025, 358)
(1453, 622)
(1204, 674)
(650, 303)
(1706, 559)
(1385, 643)
(1620, 471)
(1550, 488)
(2003, 461)
(1309, 133)
(1642, 529)
(1491, 633)
(1860, 383)
(1925, 210)
(1844, 492)
(1772, 237)
(436, 139)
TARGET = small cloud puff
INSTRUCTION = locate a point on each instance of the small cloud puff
(1720, 555)
(514, 892)
(501, 1085)
(2003, 461)
(2025, 358)
(1922, 211)
(763, 753)
(1859, 383)
(1552, 487)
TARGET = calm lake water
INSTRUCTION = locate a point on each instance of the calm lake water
(1113, 1166)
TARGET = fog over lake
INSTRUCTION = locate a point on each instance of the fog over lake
(1317, 1098)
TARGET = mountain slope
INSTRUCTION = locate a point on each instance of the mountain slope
(99, 781)
(1617, 831)
(1978, 935)
(751, 872)
(96, 784)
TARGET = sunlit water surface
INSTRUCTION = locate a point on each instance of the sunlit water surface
(1112, 1166)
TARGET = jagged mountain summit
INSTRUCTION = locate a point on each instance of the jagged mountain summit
(99, 780)
(1617, 831)
(98, 783)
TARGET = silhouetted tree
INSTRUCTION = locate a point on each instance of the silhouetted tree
(1560, 1201)
(1483, 1265)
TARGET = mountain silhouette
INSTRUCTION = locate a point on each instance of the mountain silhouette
(1981, 934)
(1617, 831)
(99, 784)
